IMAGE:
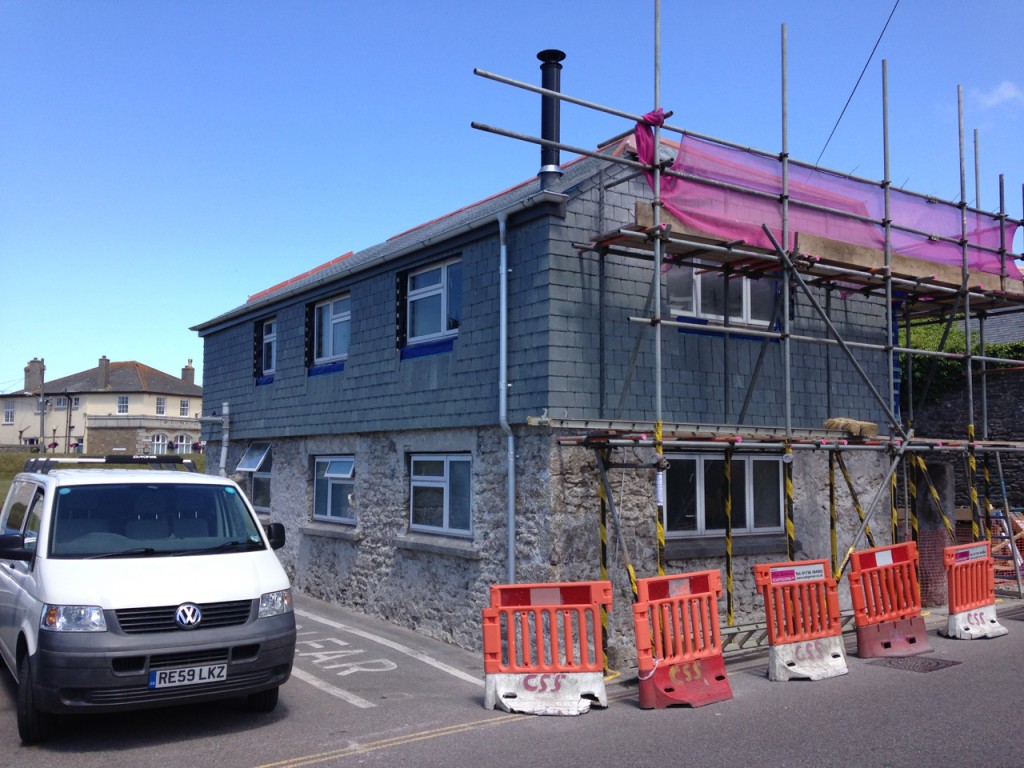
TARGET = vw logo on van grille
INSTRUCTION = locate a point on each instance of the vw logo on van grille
(188, 616)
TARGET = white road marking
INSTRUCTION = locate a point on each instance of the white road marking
(316, 682)
(411, 652)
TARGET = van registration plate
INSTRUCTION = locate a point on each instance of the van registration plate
(168, 678)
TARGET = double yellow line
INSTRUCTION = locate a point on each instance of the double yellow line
(396, 741)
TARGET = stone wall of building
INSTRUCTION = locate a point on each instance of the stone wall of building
(438, 585)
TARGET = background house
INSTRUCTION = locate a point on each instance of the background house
(116, 406)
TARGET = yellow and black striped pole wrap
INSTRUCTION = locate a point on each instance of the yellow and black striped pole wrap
(787, 471)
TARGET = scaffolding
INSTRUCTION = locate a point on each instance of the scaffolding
(922, 291)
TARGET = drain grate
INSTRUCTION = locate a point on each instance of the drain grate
(914, 663)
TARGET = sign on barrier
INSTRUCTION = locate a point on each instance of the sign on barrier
(970, 578)
(802, 612)
(542, 647)
(679, 646)
(887, 602)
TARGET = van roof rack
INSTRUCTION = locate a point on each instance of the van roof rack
(43, 466)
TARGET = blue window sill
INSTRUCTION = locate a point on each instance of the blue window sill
(262, 381)
(429, 348)
(320, 370)
(735, 331)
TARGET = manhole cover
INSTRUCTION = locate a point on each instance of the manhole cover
(914, 663)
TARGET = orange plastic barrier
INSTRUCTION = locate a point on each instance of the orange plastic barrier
(887, 602)
(970, 578)
(802, 611)
(542, 647)
(678, 643)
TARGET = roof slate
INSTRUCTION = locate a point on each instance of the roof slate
(572, 173)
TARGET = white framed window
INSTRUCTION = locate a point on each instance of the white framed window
(269, 347)
(62, 403)
(183, 444)
(440, 498)
(333, 486)
(332, 329)
(434, 302)
(183, 406)
(695, 494)
(8, 411)
(75, 401)
(161, 406)
(122, 404)
(257, 461)
(706, 293)
(158, 444)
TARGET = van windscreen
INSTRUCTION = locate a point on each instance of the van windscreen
(135, 519)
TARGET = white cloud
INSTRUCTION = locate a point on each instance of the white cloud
(1004, 93)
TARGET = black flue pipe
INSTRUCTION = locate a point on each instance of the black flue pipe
(550, 116)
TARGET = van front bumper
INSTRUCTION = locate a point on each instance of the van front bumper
(107, 671)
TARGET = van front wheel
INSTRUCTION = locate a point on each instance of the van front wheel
(264, 701)
(33, 725)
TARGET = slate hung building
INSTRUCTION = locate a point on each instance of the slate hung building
(446, 410)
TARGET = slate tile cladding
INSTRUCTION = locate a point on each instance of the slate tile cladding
(570, 342)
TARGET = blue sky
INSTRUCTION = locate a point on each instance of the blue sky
(161, 161)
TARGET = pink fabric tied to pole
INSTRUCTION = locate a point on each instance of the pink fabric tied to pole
(735, 212)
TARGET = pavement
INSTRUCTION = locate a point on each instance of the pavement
(458, 663)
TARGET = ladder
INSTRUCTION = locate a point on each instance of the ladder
(1005, 531)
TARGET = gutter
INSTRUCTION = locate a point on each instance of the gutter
(510, 439)
(222, 420)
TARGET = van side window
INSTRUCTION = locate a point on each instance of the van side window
(22, 497)
(32, 524)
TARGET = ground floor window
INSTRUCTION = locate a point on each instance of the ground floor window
(258, 462)
(333, 486)
(159, 444)
(696, 493)
(440, 498)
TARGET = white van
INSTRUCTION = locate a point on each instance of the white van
(135, 588)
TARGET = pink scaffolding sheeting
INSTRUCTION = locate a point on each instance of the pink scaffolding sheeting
(730, 193)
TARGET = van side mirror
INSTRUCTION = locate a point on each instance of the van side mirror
(12, 547)
(275, 532)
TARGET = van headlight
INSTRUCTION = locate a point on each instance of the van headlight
(73, 618)
(275, 603)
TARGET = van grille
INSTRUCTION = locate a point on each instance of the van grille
(161, 618)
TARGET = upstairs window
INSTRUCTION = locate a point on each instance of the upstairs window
(268, 348)
(183, 406)
(161, 406)
(264, 356)
(8, 411)
(333, 486)
(704, 292)
(440, 498)
(433, 302)
(696, 495)
(122, 404)
(328, 333)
